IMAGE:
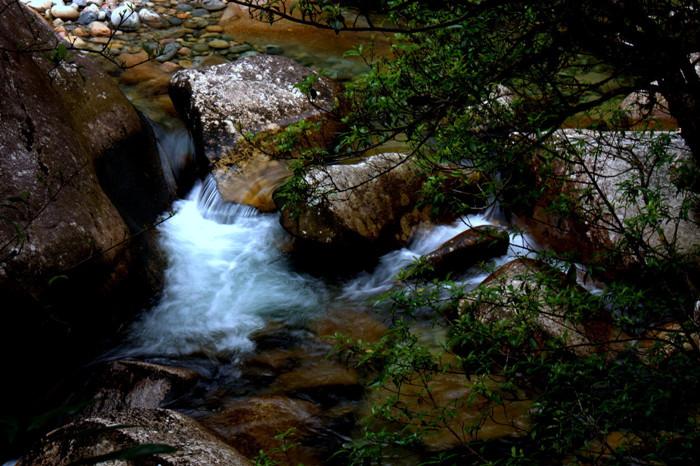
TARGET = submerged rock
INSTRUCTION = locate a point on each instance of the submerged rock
(90, 439)
(252, 424)
(372, 204)
(125, 17)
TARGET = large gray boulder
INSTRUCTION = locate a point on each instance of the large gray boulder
(373, 203)
(257, 95)
(593, 175)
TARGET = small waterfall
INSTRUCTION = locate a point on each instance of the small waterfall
(224, 280)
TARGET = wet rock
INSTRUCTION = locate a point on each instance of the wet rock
(324, 381)
(94, 436)
(250, 425)
(123, 385)
(358, 207)
(73, 220)
(469, 248)
(125, 17)
(593, 186)
(453, 392)
(272, 49)
(218, 44)
(533, 282)
(169, 52)
(255, 94)
(151, 18)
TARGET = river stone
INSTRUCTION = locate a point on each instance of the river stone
(199, 12)
(150, 17)
(99, 29)
(200, 47)
(169, 52)
(40, 5)
(250, 425)
(125, 17)
(218, 44)
(105, 433)
(272, 49)
(465, 250)
(65, 12)
(363, 206)
(214, 5)
(240, 48)
(88, 15)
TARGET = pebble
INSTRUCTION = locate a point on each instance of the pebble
(214, 28)
(213, 5)
(200, 47)
(184, 7)
(125, 17)
(219, 44)
(99, 29)
(184, 51)
(40, 5)
(88, 15)
(196, 23)
(65, 12)
(174, 21)
(199, 12)
(185, 63)
(150, 17)
(240, 48)
(168, 52)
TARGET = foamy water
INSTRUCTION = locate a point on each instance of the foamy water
(223, 280)
(227, 277)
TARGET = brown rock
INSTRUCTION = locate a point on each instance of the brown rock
(469, 248)
(371, 203)
(250, 425)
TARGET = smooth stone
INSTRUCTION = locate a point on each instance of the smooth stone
(149, 17)
(65, 12)
(169, 52)
(199, 12)
(88, 15)
(40, 5)
(241, 48)
(184, 7)
(125, 17)
(214, 5)
(185, 63)
(200, 47)
(79, 3)
(99, 29)
(219, 44)
(184, 52)
(58, 22)
(196, 23)
(174, 21)
(214, 28)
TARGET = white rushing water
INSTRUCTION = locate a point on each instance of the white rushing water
(225, 276)
(425, 241)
